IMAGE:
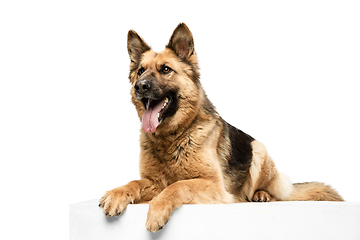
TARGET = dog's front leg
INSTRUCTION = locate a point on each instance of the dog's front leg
(179, 193)
(115, 201)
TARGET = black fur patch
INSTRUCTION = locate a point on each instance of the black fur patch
(240, 154)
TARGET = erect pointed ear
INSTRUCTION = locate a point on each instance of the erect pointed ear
(136, 46)
(181, 42)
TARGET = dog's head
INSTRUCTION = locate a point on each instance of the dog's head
(165, 85)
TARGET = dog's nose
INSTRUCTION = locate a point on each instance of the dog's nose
(142, 86)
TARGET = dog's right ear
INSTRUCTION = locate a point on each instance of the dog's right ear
(136, 46)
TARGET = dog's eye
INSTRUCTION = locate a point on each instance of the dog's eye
(141, 71)
(165, 70)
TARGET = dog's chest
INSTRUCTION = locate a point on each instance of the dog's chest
(181, 160)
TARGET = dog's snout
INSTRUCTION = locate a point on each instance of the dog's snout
(142, 86)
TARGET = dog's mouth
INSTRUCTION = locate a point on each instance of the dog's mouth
(156, 110)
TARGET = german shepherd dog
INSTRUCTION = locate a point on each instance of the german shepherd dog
(189, 154)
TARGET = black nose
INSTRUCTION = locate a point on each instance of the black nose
(142, 86)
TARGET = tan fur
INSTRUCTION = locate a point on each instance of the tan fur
(313, 191)
(186, 160)
(264, 176)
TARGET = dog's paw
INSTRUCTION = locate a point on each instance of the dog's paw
(261, 196)
(114, 202)
(157, 217)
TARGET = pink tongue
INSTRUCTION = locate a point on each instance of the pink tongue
(150, 116)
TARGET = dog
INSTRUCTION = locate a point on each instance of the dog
(188, 153)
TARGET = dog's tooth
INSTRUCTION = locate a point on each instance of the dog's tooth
(166, 100)
(164, 105)
(158, 115)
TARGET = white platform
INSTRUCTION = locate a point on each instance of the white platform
(278, 220)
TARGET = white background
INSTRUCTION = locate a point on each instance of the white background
(286, 72)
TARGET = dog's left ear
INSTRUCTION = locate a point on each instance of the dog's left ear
(182, 42)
